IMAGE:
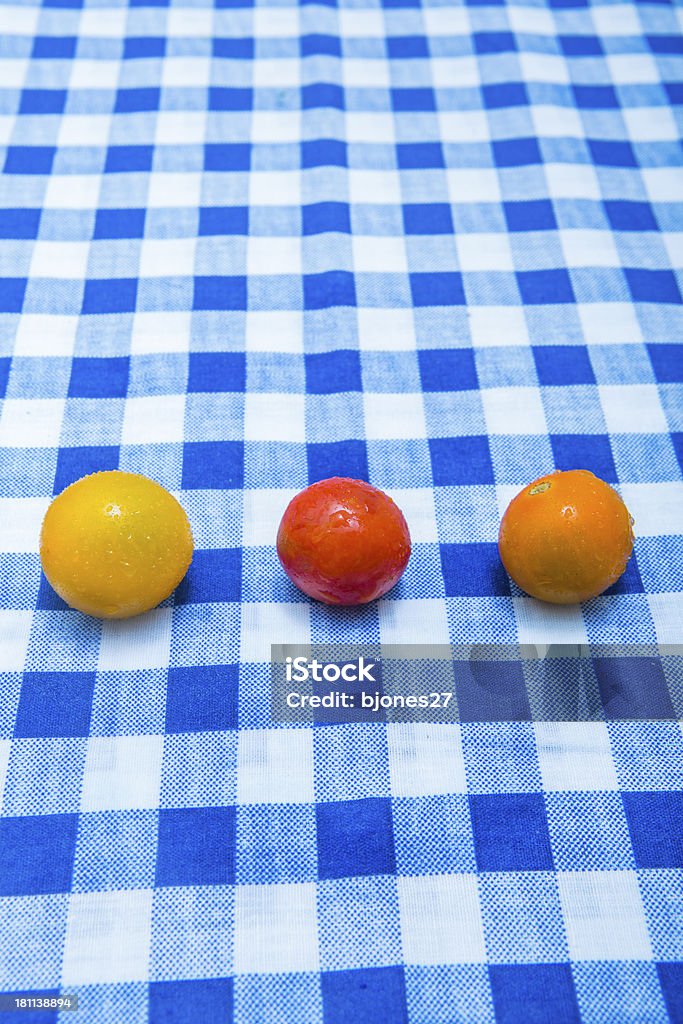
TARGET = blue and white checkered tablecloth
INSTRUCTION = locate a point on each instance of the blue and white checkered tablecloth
(249, 245)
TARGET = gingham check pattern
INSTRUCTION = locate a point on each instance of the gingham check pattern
(247, 246)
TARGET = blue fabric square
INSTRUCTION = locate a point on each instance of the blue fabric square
(29, 159)
(99, 377)
(563, 365)
(129, 101)
(633, 688)
(239, 48)
(322, 94)
(144, 46)
(328, 373)
(417, 155)
(665, 43)
(337, 458)
(19, 223)
(511, 832)
(667, 362)
(110, 295)
(214, 575)
(534, 993)
(355, 837)
(447, 369)
(201, 699)
(402, 47)
(196, 846)
(655, 821)
(12, 292)
(437, 289)
(120, 224)
(319, 44)
(217, 371)
(516, 152)
(413, 99)
(461, 461)
(492, 691)
(473, 570)
(674, 91)
(221, 98)
(595, 97)
(37, 854)
(220, 293)
(584, 451)
(320, 217)
(185, 1002)
(493, 42)
(331, 288)
(364, 996)
(580, 46)
(73, 463)
(128, 159)
(505, 94)
(652, 285)
(55, 704)
(42, 101)
(627, 215)
(227, 156)
(611, 153)
(213, 464)
(427, 219)
(530, 215)
(545, 287)
(324, 153)
(223, 220)
(5, 364)
(671, 981)
(54, 47)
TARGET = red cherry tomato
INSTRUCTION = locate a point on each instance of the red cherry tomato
(343, 541)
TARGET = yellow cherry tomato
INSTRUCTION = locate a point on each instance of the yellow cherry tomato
(115, 544)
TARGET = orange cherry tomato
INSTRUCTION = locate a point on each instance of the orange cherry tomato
(566, 537)
(343, 541)
(115, 544)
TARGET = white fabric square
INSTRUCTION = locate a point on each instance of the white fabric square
(513, 411)
(393, 416)
(122, 773)
(656, 507)
(84, 130)
(360, 22)
(189, 22)
(42, 334)
(381, 255)
(31, 423)
(13, 72)
(17, 20)
(572, 181)
(650, 124)
(167, 257)
(632, 409)
(20, 522)
(103, 22)
(603, 915)
(132, 644)
(455, 72)
(275, 126)
(556, 122)
(276, 929)
(186, 72)
(174, 189)
(274, 417)
(7, 123)
(59, 259)
(610, 323)
(539, 622)
(469, 185)
(425, 759)
(386, 330)
(15, 629)
(484, 252)
(94, 74)
(263, 510)
(584, 248)
(463, 126)
(276, 22)
(280, 330)
(72, 192)
(280, 255)
(367, 73)
(154, 419)
(265, 622)
(160, 332)
(417, 505)
(280, 73)
(532, 20)
(575, 756)
(188, 125)
(275, 188)
(632, 68)
(369, 126)
(667, 614)
(494, 326)
(543, 67)
(616, 20)
(673, 243)
(663, 184)
(400, 622)
(275, 766)
(108, 937)
(5, 749)
(383, 187)
(444, 21)
(441, 920)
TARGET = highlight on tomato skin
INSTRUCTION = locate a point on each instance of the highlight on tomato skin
(566, 537)
(343, 541)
